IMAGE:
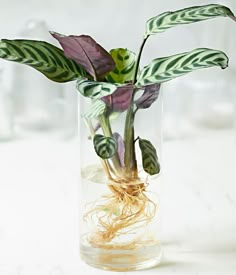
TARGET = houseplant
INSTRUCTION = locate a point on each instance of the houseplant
(121, 219)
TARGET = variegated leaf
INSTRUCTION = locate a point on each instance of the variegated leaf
(149, 157)
(149, 96)
(120, 100)
(167, 68)
(95, 89)
(84, 50)
(125, 66)
(43, 57)
(105, 147)
(97, 108)
(168, 20)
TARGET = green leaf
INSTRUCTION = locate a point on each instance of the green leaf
(95, 89)
(149, 157)
(125, 66)
(42, 56)
(168, 20)
(167, 68)
(105, 147)
(98, 107)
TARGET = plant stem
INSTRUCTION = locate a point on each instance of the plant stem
(139, 58)
(106, 128)
(130, 156)
(104, 162)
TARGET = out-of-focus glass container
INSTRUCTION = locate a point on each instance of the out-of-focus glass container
(6, 111)
(42, 106)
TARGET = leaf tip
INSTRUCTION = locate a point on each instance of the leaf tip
(224, 67)
(233, 18)
(56, 34)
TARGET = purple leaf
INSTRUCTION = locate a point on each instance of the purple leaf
(233, 17)
(121, 148)
(120, 100)
(149, 96)
(85, 51)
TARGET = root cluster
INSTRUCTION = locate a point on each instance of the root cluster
(124, 210)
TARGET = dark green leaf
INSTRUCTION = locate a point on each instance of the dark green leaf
(105, 147)
(149, 157)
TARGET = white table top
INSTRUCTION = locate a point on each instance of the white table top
(39, 207)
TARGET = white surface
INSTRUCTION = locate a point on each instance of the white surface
(39, 179)
(39, 205)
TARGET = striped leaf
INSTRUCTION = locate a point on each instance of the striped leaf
(95, 89)
(105, 147)
(85, 51)
(168, 20)
(167, 68)
(42, 56)
(125, 66)
(98, 107)
(149, 157)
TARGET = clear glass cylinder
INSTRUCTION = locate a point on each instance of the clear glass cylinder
(119, 213)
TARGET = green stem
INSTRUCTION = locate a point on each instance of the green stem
(104, 162)
(106, 128)
(139, 58)
(130, 156)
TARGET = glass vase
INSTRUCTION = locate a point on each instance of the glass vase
(119, 212)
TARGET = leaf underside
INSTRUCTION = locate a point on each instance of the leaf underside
(85, 51)
(167, 68)
(43, 57)
(149, 96)
(120, 100)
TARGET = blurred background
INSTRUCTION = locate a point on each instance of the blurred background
(30, 104)
(39, 135)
